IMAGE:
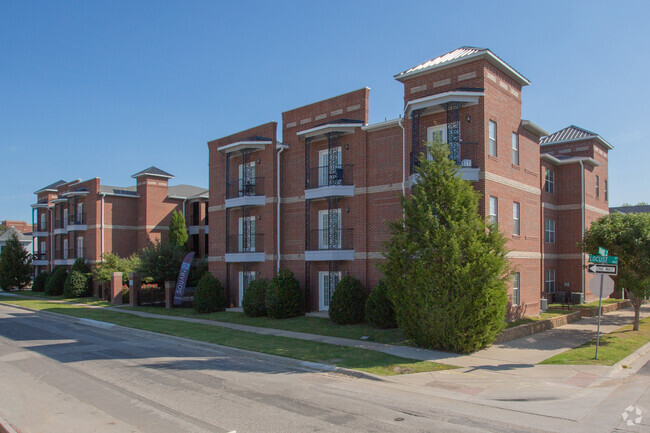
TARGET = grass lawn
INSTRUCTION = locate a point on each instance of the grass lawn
(542, 316)
(613, 347)
(87, 300)
(593, 304)
(309, 325)
(347, 357)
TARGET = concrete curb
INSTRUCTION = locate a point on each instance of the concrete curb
(291, 362)
(5, 427)
(616, 368)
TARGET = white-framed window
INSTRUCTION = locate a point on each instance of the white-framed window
(597, 186)
(249, 188)
(65, 217)
(436, 133)
(549, 281)
(323, 168)
(324, 231)
(324, 285)
(515, 288)
(515, 148)
(549, 231)
(549, 181)
(492, 148)
(605, 189)
(244, 280)
(43, 222)
(80, 246)
(80, 212)
(516, 226)
(65, 249)
(494, 210)
(43, 248)
(247, 241)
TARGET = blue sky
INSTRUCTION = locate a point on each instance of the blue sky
(105, 89)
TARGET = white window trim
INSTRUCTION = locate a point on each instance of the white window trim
(323, 303)
(322, 242)
(80, 246)
(494, 212)
(251, 235)
(549, 183)
(516, 219)
(549, 231)
(240, 180)
(515, 148)
(430, 133)
(65, 217)
(496, 140)
(323, 162)
(43, 222)
(549, 277)
(65, 249)
(516, 299)
(43, 248)
(251, 274)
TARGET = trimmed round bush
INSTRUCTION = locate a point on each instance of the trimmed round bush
(348, 302)
(76, 285)
(208, 296)
(283, 296)
(254, 302)
(56, 281)
(379, 308)
(39, 282)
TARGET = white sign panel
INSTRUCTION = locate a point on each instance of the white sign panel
(608, 285)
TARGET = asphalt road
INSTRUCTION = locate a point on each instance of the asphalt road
(62, 375)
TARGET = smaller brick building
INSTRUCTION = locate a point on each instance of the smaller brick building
(85, 219)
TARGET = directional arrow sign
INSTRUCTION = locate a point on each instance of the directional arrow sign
(612, 260)
(603, 269)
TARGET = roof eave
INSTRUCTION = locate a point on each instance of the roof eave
(534, 128)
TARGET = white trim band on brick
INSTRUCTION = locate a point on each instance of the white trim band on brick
(577, 256)
(524, 255)
(508, 182)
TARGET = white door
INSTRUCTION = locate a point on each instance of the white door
(242, 289)
(65, 249)
(249, 188)
(43, 222)
(324, 289)
(80, 212)
(65, 218)
(42, 250)
(323, 238)
(323, 167)
(80, 246)
(247, 244)
(438, 132)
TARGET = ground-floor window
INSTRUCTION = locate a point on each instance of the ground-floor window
(244, 280)
(326, 285)
(549, 281)
(515, 288)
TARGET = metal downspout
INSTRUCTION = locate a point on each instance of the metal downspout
(281, 148)
(582, 238)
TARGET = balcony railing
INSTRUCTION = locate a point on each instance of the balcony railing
(36, 227)
(468, 156)
(252, 243)
(238, 188)
(59, 223)
(39, 256)
(331, 239)
(331, 176)
(77, 219)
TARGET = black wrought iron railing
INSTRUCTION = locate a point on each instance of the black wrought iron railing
(331, 239)
(77, 219)
(39, 256)
(59, 223)
(253, 186)
(331, 175)
(252, 243)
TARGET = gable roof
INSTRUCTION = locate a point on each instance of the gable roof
(464, 55)
(11, 231)
(630, 209)
(153, 171)
(52, 186)
(573, 133)
(185, 191)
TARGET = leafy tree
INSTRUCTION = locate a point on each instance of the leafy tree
(3, 228)
(626, 236)
(160, 262)
(76, 284)
(113, 263)
(445, 266)
(379, 308)
(177, 230)
(15, 265)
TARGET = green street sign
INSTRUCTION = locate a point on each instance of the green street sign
(602, 251)
(610, 260)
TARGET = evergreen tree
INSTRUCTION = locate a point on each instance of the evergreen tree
(15, 265)
(445, 266)
(177, 230)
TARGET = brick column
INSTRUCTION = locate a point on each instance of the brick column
(96, 291)
(116, 288)
(135, 283)
(169, 293)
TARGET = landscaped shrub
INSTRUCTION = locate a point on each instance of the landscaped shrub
(39, 282)
(76, 285)
(254, 301)
(348, 302)
(56, 281)
(283, 296)
(379, 308)
(208, 296)
(80, 265)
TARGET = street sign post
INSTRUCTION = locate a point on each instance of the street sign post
(602, 269)
(611, 260)
(604, 265)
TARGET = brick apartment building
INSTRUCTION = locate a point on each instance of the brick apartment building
(22, 226)
(317, 201)
(86, 219)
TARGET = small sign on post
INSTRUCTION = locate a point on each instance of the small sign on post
(602, 251)
(603, 259)
(602, 269)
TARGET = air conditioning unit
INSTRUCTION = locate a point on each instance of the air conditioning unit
(543, 304)
(577, 298)
(466, 163)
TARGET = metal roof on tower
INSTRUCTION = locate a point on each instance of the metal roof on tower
(154, 171)
(51, 187)
(573, 133)
(464, 55)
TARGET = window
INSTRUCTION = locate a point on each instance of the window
(65, 218)
(43, 250)
(515, 288)
(549, 231)
(493, 138)
(43, 222)
(515, 218)
(605, 189)
(249, 188)
(435, 134)
(325, 175)
(515, 149)
(245, 279)
(494, 210)
(597, 186)
(549, 182)
(324, 230)
(80, 212)
(549, 281)
(247, 234)
(80, 246)
(327, 283)
(65, 249)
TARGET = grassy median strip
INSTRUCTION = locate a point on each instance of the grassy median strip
(346, 357)
(613, 347)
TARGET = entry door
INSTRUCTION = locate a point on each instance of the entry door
(80, 246)
(324, 289)
(242, 289)
(324, 230)
(438, 132)
(323, 167)
(249, 188)
(247, 243)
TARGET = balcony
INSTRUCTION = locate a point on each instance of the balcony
(39, 259)
(37, 231)
(330, 245)
(467, 169)
(330, 181)
(249, 193)
(60, 226)
(77, 222)
(240, 248)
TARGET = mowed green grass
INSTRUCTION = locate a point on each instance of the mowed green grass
(613, 347)
(346, 357)
(87, 300)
